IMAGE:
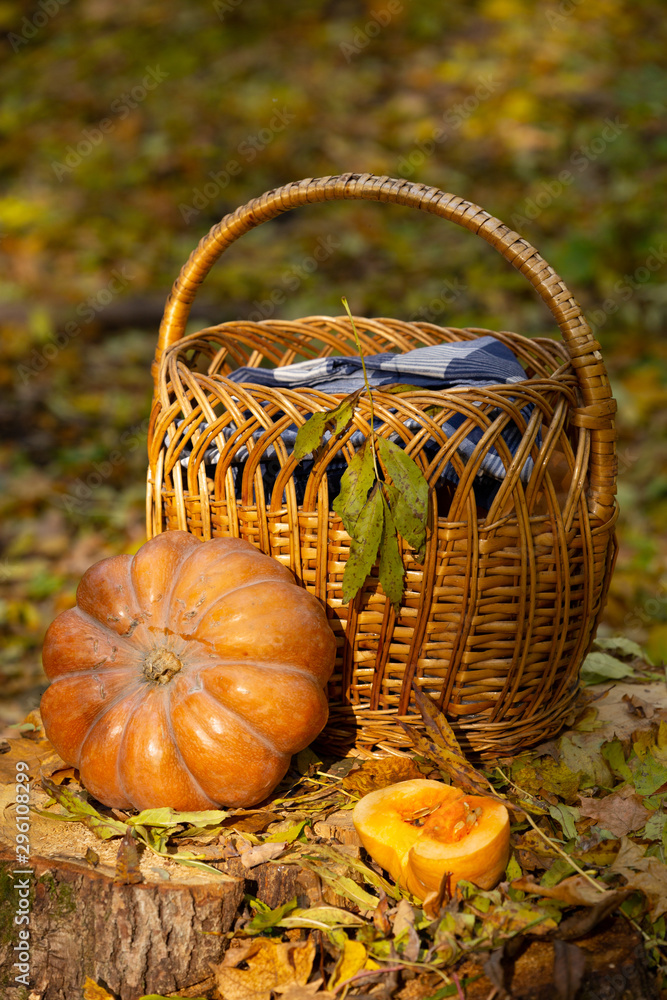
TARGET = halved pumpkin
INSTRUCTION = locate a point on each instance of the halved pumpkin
(418, 830)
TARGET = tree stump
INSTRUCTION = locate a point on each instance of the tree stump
(152, 937)
(67, 910)
(146, 938)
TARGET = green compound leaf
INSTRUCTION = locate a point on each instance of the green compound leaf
(373, 511)
(365, 544)
(354, 486)
(311, 434)
(391, 564)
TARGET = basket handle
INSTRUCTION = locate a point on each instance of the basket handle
(599, 406)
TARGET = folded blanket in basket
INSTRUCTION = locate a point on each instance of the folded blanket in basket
(481, 362)
(484, 361)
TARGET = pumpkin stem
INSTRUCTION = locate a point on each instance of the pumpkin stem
(160, 665)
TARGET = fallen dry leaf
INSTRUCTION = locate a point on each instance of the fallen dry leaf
(373, 774)
(582, 922)
(620, 813)
(404, 927)
(638, 706)
(249, 821)
(576, 890)
(271, 966)
(34, 718)
(261, 853)
(615, 713)
(127, 861)
(294, 991)
(354, 959)
(441, 747)
(648, 875)
(91, 991)
(34, 754)
(569, 968)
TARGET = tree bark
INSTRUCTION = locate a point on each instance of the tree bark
(150, 937)
(134, 939)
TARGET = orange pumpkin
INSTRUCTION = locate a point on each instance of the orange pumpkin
(187, 675)
(419, 830)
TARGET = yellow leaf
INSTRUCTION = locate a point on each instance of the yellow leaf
(91, 991)
(353, 960)
(271, 966)
(662, 735)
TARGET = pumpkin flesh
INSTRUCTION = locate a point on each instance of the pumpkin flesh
(187, 675)
(419, 830)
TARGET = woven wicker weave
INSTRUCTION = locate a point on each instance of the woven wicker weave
(496, 621)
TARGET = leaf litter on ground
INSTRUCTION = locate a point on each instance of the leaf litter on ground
(589, 836)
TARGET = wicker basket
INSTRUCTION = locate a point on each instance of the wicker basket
(496, 621)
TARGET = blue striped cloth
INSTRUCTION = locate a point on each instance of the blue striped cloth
(481, 362)
(485, 361)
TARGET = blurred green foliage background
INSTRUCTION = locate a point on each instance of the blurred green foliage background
(126, 131)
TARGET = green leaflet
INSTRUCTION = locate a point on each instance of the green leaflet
(613, 754)
(310, 435)
(364, 547)
(321, 918)
(412, 528)
(167, 817)
(266, 918)
(391, 564)
(513, 869)
(558, 871)
(287, 836)
(354, 486)
(346, 887)
(600, 667)
(396, 388)
(649, 775)
(565, 816)
(78, 809)
(620, 645)
(408, 479)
